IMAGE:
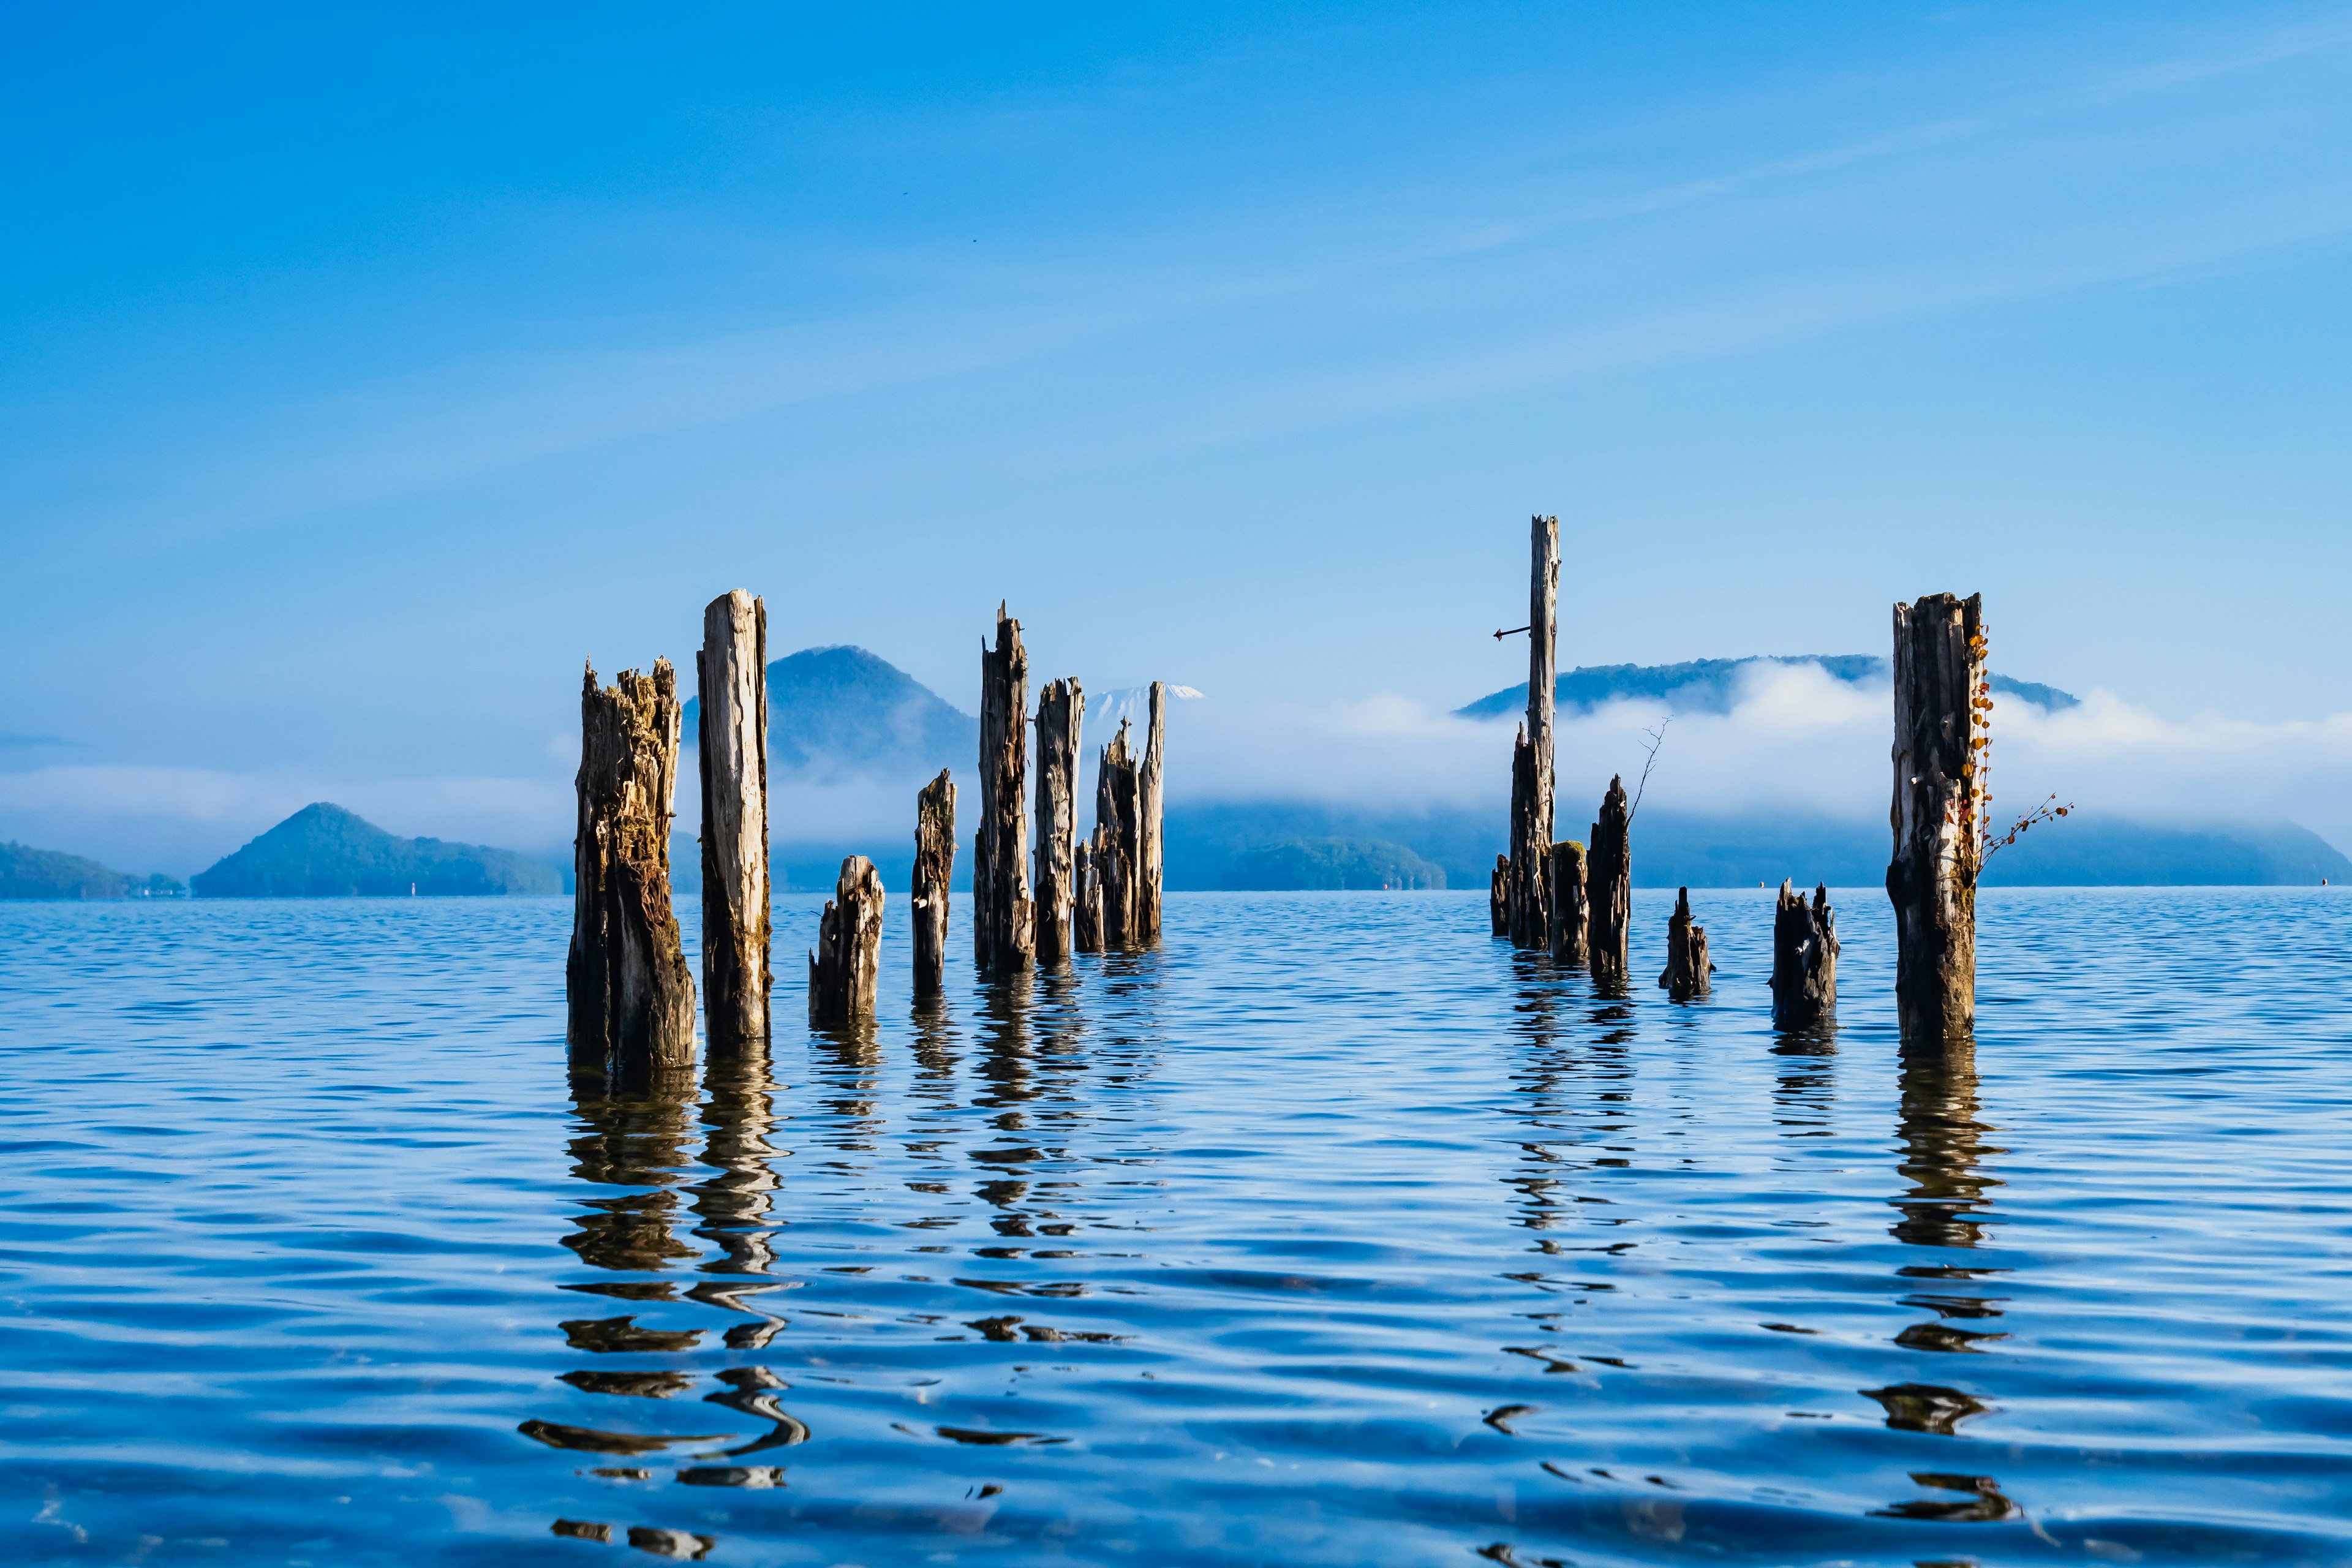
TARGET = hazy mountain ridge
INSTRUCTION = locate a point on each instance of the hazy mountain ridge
(323, 852)
(29, 873)
(842, 713)
(1712, 685)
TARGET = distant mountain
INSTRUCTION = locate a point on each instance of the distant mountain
(323, 852)
(1709, 685)
(29, 873)
(841, 713)
(1333, 865)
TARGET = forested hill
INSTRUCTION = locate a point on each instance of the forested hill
(323, 852)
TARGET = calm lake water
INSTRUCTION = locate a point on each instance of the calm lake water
(1332, 1232)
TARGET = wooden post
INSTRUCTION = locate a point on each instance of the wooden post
(731, 674)
(1003, 922)
(1148, 813)
(1531, 759)
(1687, 967)
(1061, 712)
(935, 846)
(1117, 840)
(848, 955)
(1805, 958)
(1086, 911)
(1609, 885)
(1938, 814)
(630, 992)
(1568, 908)
(1498, 895)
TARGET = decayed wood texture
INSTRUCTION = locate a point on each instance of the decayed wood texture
(935, 846)
(1609, 887)
(1530, 893)
(1805, 958)
(1687, 967)
(1061, 713)
(1937, 816)
(1147, 817)
(1002, 919)
(1117, 840)
(630, 992)
(1569, 909)
(1498, 895)
(1085, 911)
(731, 742)
(848, 955)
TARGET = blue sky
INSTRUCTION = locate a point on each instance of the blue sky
(367, 370)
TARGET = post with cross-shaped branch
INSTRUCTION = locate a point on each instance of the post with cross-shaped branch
(1527, 890)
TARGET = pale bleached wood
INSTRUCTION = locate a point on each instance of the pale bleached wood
(1149, 787)
(845, 965)
(934, 847)
(630, 994)
(1938, 814)
(732, 745)
(1528, 896)
(1061, 715)
(1003, 919)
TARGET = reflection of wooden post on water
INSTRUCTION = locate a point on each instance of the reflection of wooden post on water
(733, 745)
(1003, 920)
(1061, 714)
(1938, 814)
(1805, 958)
(848, 955)
(1528, 893)
(934, 870)
(1608, 886)
(630, 994)
(1687, 967)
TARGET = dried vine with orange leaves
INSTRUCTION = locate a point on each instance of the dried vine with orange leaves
(1971, 814)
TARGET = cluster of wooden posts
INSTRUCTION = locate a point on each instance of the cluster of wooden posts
(1573, 899)
(630, 992)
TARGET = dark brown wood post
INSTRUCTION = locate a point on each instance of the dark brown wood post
(1117, 840)
(1938, 814)
(1086, 911)
(732, 742)
(1002, 919)
(1609, 885)
(1687, 967)
(1061, 712)
(630, 992)
(847, 959)
(1148, 787)
(934, 847)
(1568, 908)
(1498, 895)
(1805, 958)
(1532, 760)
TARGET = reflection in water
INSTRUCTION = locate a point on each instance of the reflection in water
(1806, 1092)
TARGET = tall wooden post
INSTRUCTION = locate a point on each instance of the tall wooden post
(1003, 920)
(732, 673)
(1687, 967)
(1531, 762)
(1570, 910)
(1805, 958)
(1147, 857)
(630, 992)
(934, 847)
(847, 959)
(1939, 815)
(1061, 714)
(1609, 885)
(1117, 840)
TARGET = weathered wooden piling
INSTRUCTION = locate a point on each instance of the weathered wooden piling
(1498, 895)
(1118, 833)
(1085, 911)
(1688, 968)
(1609, 887)
(848, 955)
(935, 846)
(1939, 814)
(1061, 712)
(1004, 920)
(1148, 788)
(1529, 892)
(731, 742)
(1569, 910)
(630, 995)
(1805, 958)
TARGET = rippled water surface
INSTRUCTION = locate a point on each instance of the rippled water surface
(1331, 1232)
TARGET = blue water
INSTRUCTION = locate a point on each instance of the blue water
(1331, 1232)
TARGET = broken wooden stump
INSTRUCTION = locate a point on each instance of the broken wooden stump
(935, 845)
(1688, 968)
(1061, 712)
(630, 994)
(1004, 920)
(731, 743)
(1147, 802)
(1498, 895)
(1569, 909)
(1609, 887)
(1117, 841)
(847, 959)
(1939, 815)
(1086, 909)
(1805, 958)
(1529, 890)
